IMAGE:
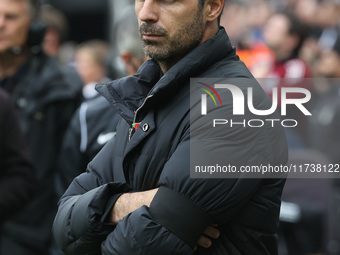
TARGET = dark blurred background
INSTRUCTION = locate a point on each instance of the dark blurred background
(87, 19)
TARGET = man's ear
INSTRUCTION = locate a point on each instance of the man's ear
(131, 62)
(126, 57)
(213, 9)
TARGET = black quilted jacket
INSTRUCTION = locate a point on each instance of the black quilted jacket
(157, 155)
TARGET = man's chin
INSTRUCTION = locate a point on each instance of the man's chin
(154, 52)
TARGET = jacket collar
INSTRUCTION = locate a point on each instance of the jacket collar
(129, 93)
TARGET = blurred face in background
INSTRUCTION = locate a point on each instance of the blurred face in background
(89, 69)
(307, 10)
(51, 42)
(328, 13)
(328, 65)
(236, 14)
(258, 13)
(276, 31)
(15, 18)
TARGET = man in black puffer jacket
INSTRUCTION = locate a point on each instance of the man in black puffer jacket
(137, 196)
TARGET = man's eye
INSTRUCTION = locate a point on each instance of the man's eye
(11, 17)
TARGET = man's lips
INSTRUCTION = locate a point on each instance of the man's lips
(152, 36)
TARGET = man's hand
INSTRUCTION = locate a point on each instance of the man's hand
(130, 202)
(209, 233)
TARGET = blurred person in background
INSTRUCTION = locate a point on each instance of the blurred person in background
(284, 34)
(322, 128)
(327, 18)
(246, 33)
(56, 29)
(128, 43)
(318, 234)
(54, 42)
(324, 124)
(328, 64)
(128, 55)
(17, 179)
(323, 18)
(235, 12)
(95, 121)
(45, 100)
(91, 65)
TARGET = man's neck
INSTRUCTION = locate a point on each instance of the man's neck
(168, 63)
(10, 64)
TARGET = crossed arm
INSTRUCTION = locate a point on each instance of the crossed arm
(146, 221)
(129, 202)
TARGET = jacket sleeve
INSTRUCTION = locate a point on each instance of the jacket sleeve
(173, 227)
(80, 224)
(161, 229)
(17, 179)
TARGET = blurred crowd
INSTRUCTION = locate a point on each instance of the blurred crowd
(64, 122)
(296, 43)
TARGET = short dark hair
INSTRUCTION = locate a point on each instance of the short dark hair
(55, 20)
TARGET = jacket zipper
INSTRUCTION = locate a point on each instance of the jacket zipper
(132, 130)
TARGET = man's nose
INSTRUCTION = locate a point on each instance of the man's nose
(148, 11)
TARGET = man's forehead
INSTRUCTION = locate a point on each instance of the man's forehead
(16, 6)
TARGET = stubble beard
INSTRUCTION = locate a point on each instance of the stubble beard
(172, 49)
